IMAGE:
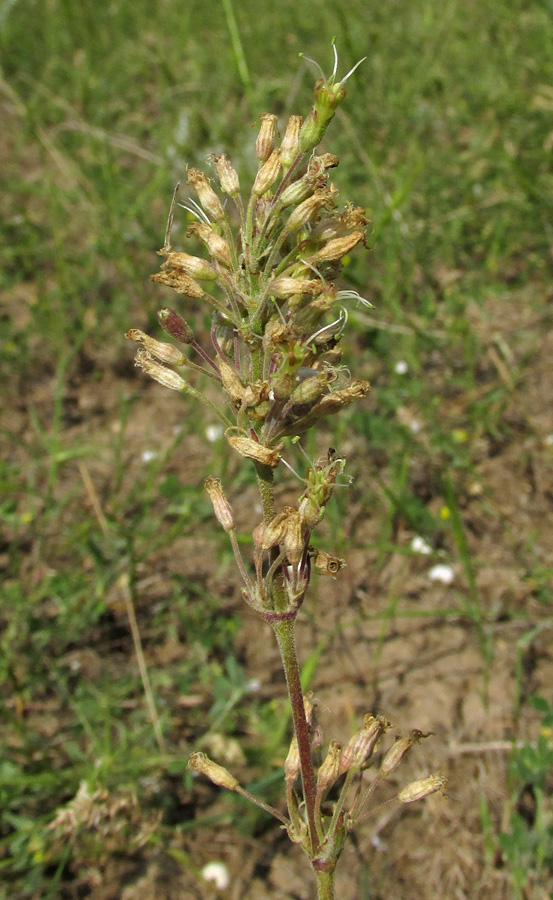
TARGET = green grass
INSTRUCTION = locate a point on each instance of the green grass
(446, 138)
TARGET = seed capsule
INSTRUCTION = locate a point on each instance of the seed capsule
(265, 142)
(228, 177)
(290, 145)
(418, 790)
(191, 265)
(166, 353)
(180, 282)
(330, 768)
(174, 324)
(199, 762)
(208, 197)
(143, 360)
(221, 506)
(267, 174)
(267, 456)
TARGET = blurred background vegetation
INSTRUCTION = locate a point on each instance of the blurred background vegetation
(446, 138)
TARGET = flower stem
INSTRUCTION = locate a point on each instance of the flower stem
(325, 885)
(285, 636)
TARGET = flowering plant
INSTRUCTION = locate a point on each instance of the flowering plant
(277, 322)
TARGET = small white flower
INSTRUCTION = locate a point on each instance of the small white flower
(419, 545)
(401, 367)
(549, 440)
(254, 685)
(442, 573)
(218, 873)
(213, 433)
(415, 426)
(148, 455)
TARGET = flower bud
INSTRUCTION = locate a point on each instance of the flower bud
(290, 145)
(267, 456)
(191, 265)
(228, 177)
(265, 142)
(221, 506)
(418, 790)
(199, 762)
(217, 246)
(329, 770)
(143, 360)
(327, 98)
(208, 197)
(174, 324)
(166, 353)
(180, 282)
(267, 174)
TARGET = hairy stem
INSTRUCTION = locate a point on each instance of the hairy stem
(325, 885)
(285, 636)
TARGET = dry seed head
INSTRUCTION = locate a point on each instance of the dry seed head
(201, 763)
(418, 790)
(228, 176)
(331, 403)
(221, 506)
(267, 174)
(208, 198)
(329, 770)
(265, 142)
(191, 265)
(318, 165)
(180, 282)
(166, 353)
(247, 447)
(290, 145)
(174, 324)
(144, 360)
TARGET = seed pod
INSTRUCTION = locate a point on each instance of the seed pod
(309, 209)
(267, 456)
(143, 360)
(418, 790)
(267, 174)
(208, 197)
(298, 191)
(191, 265)
(311, 389)
(174, 324)
(395, 754)
(199, 762)
(284, 287)
(217, 246)
(231, 382)
(292, 766)
(290, 145)
(331, 403)
(329, 770)
(228, 177)
(265, 142)
(180, 282)
(361, 745)
(294, 540)
(275, 530)
(327, 564)
(221, 506)
(166, 353)
(337, 248)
